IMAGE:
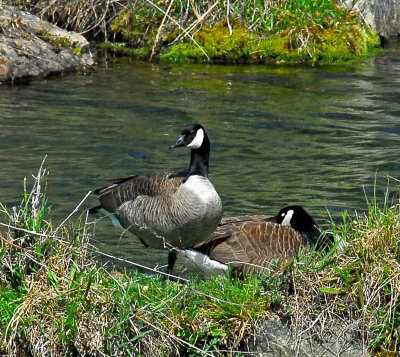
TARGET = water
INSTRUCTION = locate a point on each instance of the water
(280, 135)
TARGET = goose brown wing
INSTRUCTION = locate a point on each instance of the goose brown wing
(228, 227)
(256, 244)
(129, 188)
(239, 220)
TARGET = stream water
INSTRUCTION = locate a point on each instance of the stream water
(319, 137)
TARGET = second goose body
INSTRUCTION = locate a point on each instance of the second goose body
(167, 209)
(250, 243)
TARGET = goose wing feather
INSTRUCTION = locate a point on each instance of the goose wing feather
(129, 188)
(227, 227)
(243, 219)
(255, 244)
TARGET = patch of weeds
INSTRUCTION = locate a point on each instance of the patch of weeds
(59, 42)
(361, 283)
(9, 301)
(283, 32)
(308, 44)
(217, 43)
(15, 23)
(137, 26)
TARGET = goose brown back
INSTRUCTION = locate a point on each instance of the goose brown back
(250, 246)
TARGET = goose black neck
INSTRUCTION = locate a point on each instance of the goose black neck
(199, 159)
(313, 234)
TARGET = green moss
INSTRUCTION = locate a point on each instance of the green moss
(78, 51)
(217, 43)
(284, 32)
(308, 44)
(59, 42)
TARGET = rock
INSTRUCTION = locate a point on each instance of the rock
(383, 16)
(276, 339)
(30, 47)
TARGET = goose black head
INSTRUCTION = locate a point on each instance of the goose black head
(296, 217)
(192, 136)
(299, 219)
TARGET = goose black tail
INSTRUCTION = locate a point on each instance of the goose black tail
(95, 210)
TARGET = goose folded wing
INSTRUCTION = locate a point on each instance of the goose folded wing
(129, 188)
(230, 226)
(240, 220)
(256, 244)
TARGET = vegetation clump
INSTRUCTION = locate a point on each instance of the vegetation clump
(56, 299)
(283, 32)
(59, 42)
(278, 31)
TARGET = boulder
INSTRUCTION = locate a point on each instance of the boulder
(383, 16)
(31, 47)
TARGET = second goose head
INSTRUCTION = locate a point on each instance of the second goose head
(299, 219)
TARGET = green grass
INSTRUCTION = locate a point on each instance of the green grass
(56, 298)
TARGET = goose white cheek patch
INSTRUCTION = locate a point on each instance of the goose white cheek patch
(198, 140)
(288, 218)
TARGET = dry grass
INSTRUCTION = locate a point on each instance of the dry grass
(353, 295)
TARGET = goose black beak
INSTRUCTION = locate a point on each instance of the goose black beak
(178, 143)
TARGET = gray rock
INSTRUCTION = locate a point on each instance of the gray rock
(30, 47)
(276, 339)
(383, 16)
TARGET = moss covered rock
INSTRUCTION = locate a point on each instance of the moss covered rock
(280, 32)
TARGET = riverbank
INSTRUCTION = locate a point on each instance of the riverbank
(57, 299)
(226, 32)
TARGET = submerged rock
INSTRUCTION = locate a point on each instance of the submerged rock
(30, 47)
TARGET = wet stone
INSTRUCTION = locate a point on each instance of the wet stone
(31, 47)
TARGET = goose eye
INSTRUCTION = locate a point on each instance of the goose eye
(283, 214)
(192, 132)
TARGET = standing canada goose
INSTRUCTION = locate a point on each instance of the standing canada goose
(165, 209)
(250, 243)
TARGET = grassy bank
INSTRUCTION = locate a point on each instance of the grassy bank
(277, 31)
(56, 299)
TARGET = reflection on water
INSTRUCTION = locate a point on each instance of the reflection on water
(279, 135)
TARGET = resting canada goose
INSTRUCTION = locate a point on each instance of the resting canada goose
(165, 209)
(250, 243)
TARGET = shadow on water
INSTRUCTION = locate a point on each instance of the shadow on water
(279, 135)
